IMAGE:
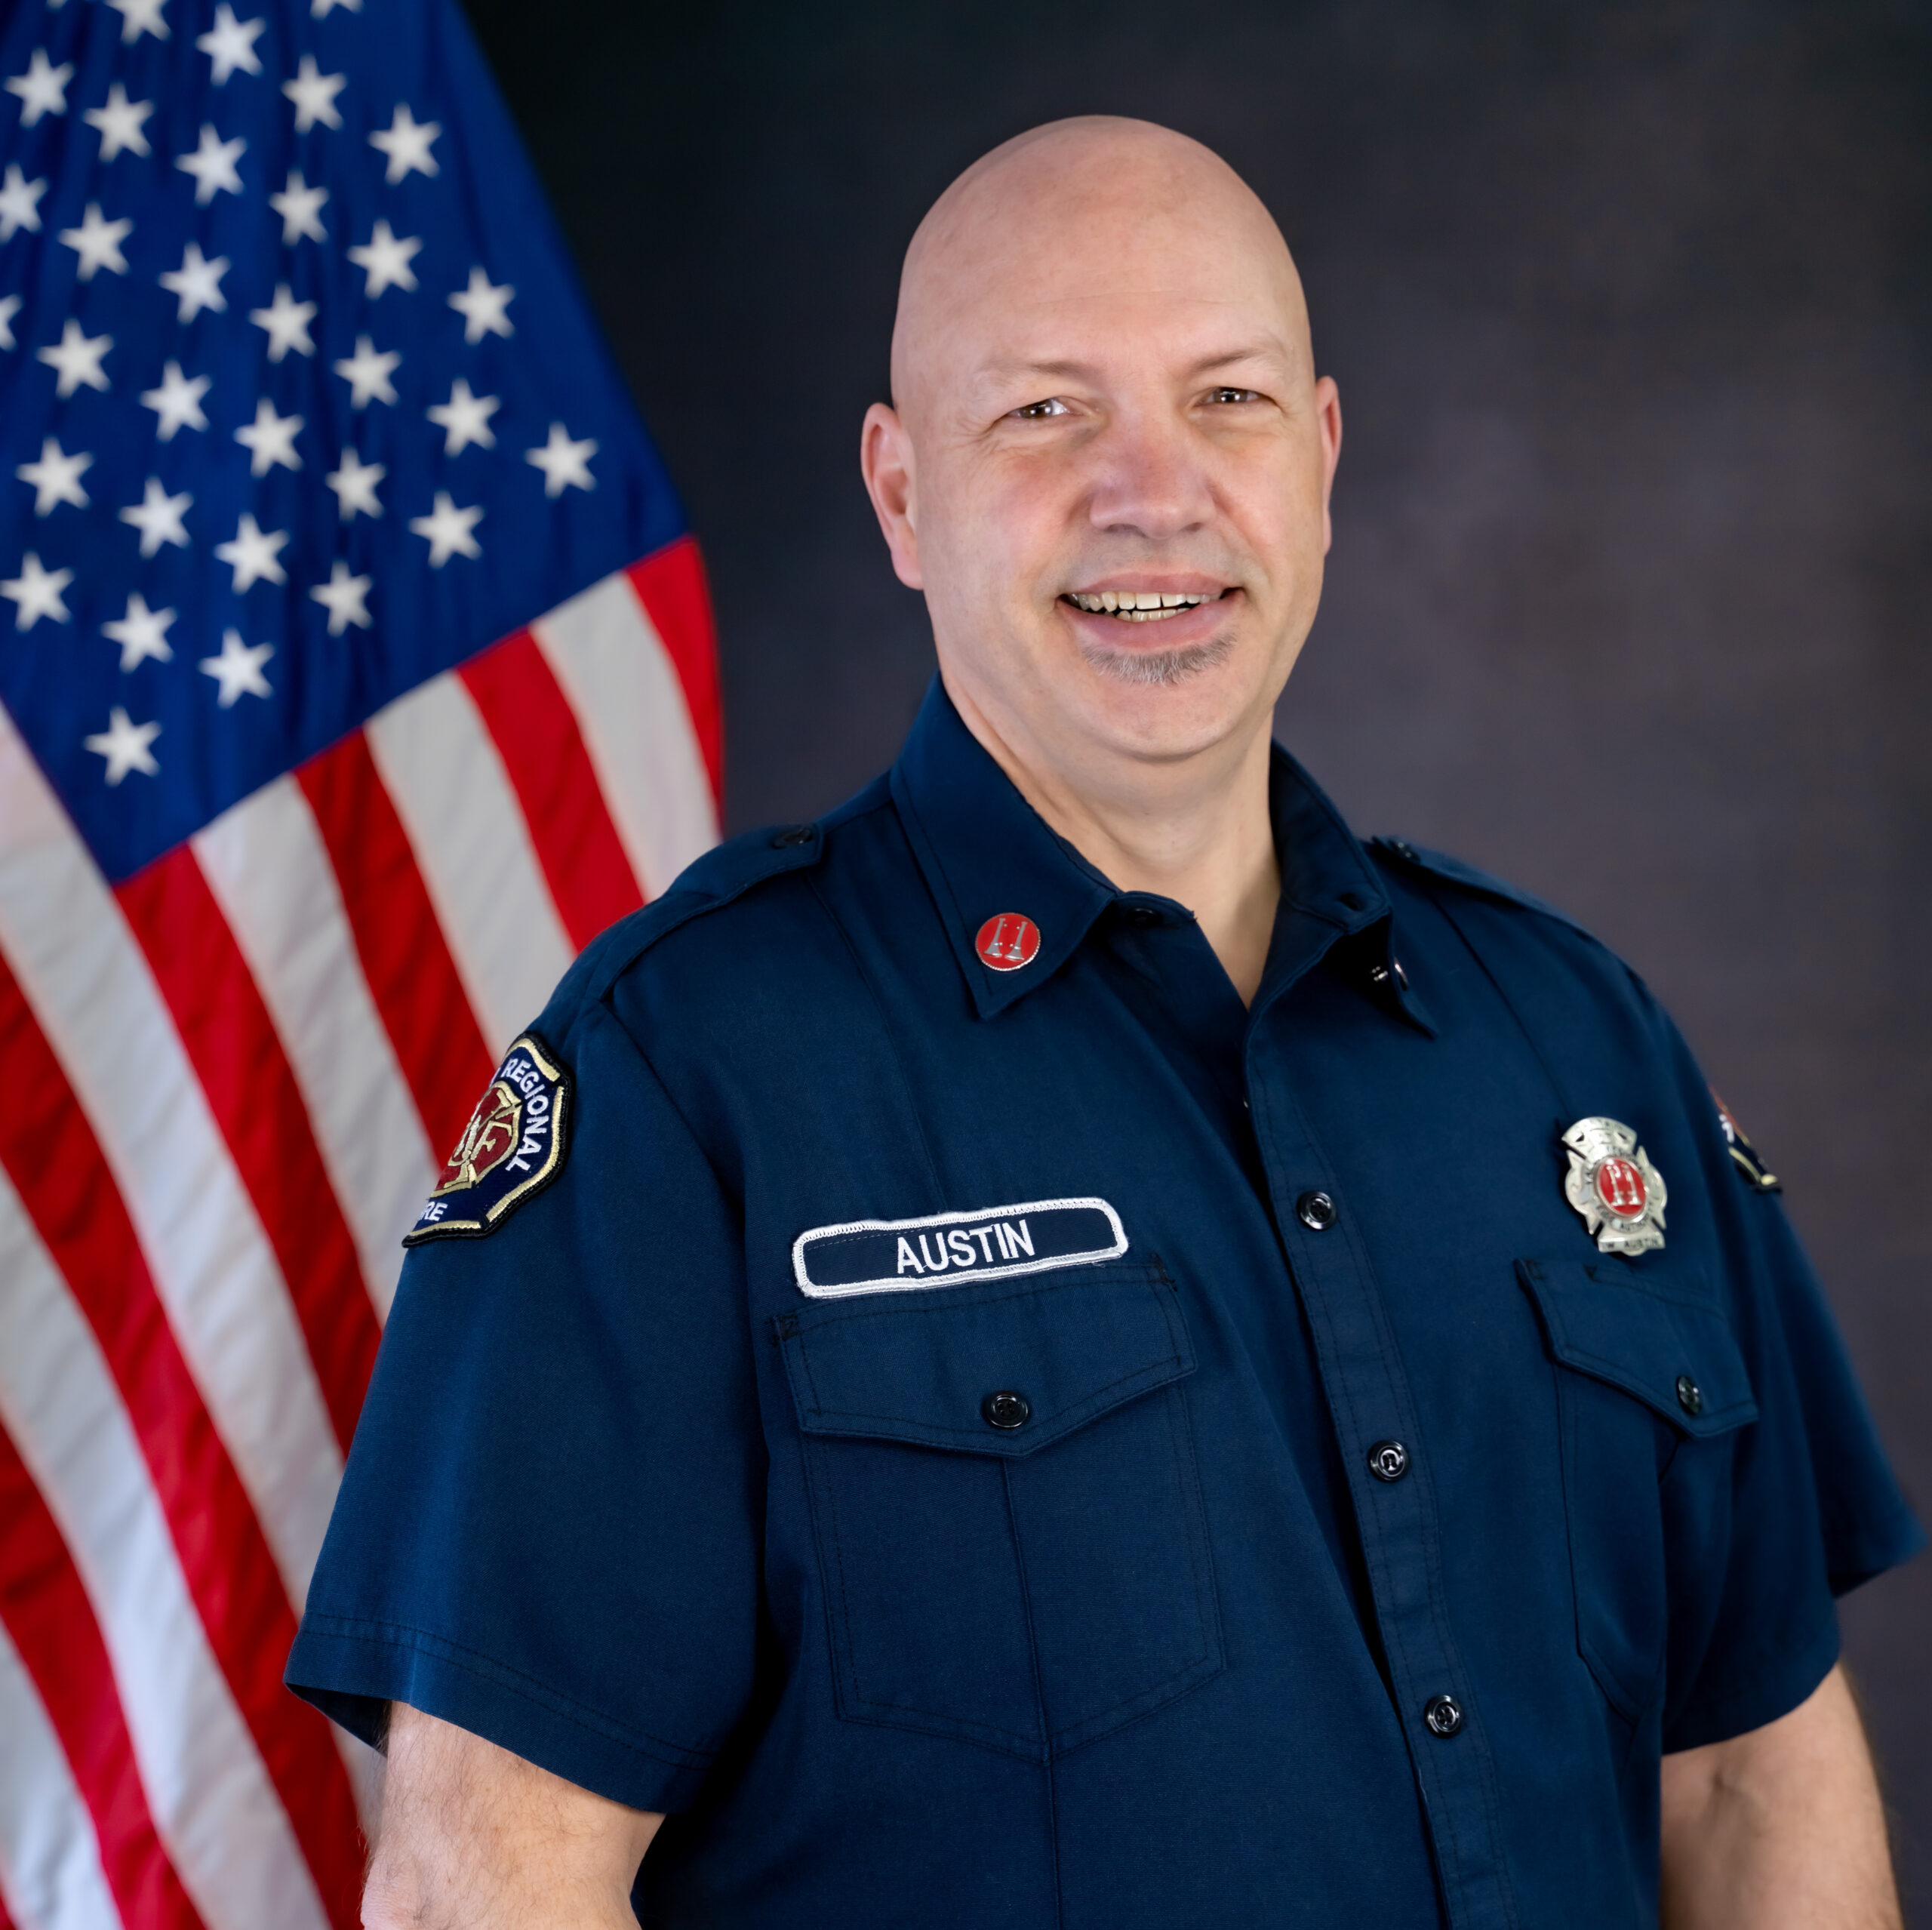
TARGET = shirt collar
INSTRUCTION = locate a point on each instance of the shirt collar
(985, 851)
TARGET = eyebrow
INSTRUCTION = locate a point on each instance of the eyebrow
(1221, 359)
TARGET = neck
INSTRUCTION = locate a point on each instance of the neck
(1195, 829)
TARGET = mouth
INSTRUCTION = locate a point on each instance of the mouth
(1143, 606)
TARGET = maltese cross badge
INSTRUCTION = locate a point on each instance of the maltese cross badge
(1613, 1184)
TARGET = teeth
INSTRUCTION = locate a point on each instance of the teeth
(1136, 606)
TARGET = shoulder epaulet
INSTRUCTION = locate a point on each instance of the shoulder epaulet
(1453, 870)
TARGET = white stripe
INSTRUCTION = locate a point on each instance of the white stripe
(619, 680)
(269, 870)
(50, 1875)
(84, 975)
(438, 762)
(214, 1808)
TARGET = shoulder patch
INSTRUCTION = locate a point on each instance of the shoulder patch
(1746, 1161)
(1439, 864)
(513, 1147)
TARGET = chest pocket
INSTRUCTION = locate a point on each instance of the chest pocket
(1652, 1387)
(1026, 1574)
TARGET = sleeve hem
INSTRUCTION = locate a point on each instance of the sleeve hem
(352, 1670)
(1774, 1688)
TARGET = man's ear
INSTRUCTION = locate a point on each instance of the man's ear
(1328, 413)
(885, 461)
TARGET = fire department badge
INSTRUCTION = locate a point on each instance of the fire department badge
(1613, 1184)
(512, 1146)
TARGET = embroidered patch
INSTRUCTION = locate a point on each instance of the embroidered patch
(1748, 1161)
(513, 1146)
(954, 1249)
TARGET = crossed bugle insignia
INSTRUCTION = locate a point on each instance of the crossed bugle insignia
(1613, 1184)
(513, 1146)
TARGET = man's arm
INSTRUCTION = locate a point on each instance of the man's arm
(1781, 1828)
(473, 1838)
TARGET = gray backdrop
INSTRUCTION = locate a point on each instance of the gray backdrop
(1629, 306)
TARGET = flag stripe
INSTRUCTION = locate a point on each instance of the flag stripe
(53, 1629)
(266, 865)
(405, 958)
(64, 1189)
(90, 989)
(630, 706)
(217, 1815)
(239, 1058)
(670, 583)
(474, 851)
(530, 721)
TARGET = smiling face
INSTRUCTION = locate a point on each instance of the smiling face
(1109, 467)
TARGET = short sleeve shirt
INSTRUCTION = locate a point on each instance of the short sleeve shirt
(901, 1375)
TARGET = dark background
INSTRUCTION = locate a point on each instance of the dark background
(1631, 307)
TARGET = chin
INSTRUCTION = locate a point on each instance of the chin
(1167, 702)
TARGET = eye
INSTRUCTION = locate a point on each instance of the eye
(1040, 411)
(1225, 395)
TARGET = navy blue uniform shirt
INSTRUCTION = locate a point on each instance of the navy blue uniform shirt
(1043, 1446)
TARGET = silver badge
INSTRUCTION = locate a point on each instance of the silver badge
(1613, 1184)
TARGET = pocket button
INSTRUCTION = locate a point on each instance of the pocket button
(1690, 1396)
(1006, 1411)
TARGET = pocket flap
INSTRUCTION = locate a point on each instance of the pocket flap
(1668, 1343)
(921, 1367)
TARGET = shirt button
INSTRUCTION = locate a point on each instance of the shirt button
(1006, 1411)
(1316, 1212)
(1388, 1460)
(1690, 1396)
(1444, 1714)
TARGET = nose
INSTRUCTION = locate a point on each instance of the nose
(1148, 478)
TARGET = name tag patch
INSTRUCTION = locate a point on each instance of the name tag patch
(512, 1146)
(953, 1249)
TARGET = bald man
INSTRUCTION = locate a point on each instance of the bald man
(1071, 1345)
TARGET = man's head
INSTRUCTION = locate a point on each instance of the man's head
(1105, 393)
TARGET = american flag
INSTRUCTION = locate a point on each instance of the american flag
(355, 668)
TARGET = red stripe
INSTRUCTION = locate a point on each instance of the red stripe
(52, 1624)
(536, 731)
(50, 1152)
(670, 584)
(404, 957)
(238, 1057)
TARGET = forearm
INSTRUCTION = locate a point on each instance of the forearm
(1780, 1830)
(473, 1838)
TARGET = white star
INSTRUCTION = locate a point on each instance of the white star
(355, 485)
(314, 95)
(140, 16)
(465, 418)
(36, 592)
(482, 307)
(299, 206)
(177, 402)
(198, 282)
(141, 633)
(564, 462)
(124, 744)
(10, 306)
(238, 668)
(269, 439)
(77, 357)
(43, 89)
(252, 554)
(230, 43)
(20, 204)
(386, 260)
(407, 144)
(287, 321)
(447, 530)
(346, 598)
(321, 9)
(368, 374)
(97, 243)
(213, 165)
(158, 517)
(120, 124)
(56, 478)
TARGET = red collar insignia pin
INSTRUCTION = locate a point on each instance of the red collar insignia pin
(1612, 1184)
(1007, 941)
